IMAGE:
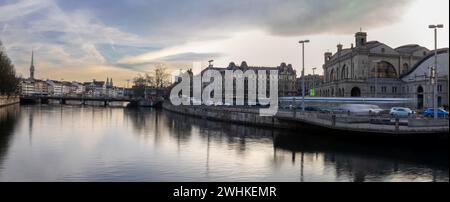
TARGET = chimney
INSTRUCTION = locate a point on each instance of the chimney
(352, 45)
(339, 47)
(327, 56)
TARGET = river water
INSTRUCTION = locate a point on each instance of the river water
(74, 143)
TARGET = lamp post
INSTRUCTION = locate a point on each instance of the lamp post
(435, 85)
(303, 73)
(314, 83)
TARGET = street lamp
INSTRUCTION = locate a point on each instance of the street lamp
(303, 72)
(314, 83)
(435, 87)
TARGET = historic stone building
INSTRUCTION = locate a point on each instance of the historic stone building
(286, 76)
(368, 69)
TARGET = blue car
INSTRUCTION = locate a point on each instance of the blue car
(430, 113)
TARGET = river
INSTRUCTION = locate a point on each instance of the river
(75, 143)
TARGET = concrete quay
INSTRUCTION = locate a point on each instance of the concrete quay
(5, 100)
(318, 122)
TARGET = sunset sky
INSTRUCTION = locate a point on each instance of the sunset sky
(85, 39)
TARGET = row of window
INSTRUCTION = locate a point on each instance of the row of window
(384, 89)
(327, 93)
(394, 89)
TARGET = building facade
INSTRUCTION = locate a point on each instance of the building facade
(418, 84)
(368, 69)
(373, 69)
(287, 82)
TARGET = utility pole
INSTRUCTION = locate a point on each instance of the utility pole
(435, 75)
(314, 82)
(303, 73)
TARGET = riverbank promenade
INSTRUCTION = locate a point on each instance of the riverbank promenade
(317, 121)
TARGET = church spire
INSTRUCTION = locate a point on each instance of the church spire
(32, 65)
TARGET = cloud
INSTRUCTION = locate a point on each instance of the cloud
(84, 32)
(113, 52)
(196, 18)
(175, 61)
(190, 57)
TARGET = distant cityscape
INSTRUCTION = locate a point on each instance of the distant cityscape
(34, 86)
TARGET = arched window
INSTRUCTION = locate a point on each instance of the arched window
(383, 69)
(343, 75)
(333, 75)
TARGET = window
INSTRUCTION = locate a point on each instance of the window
(383, 89)
(372, 89)
(394, 89)
(383, 50)
(440, 88)
(383, 70)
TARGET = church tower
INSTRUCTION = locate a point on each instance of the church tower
(360, 39)
(32, 66)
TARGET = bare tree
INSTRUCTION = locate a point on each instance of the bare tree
(8, 80)
(161, 77)
(158, 78)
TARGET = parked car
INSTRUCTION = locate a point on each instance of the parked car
(313, 109)
(401, 112)
(360, 109)
(430, 113)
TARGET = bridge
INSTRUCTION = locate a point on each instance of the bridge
(44, 99)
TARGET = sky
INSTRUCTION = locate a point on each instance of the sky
(84, 39)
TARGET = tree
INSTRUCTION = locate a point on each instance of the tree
(161, 77)
(8, 80)
(139, 86)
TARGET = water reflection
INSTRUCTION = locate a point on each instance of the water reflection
(73, 143)
(9, 117)
(352, 161)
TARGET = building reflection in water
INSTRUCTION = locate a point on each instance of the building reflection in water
(351, 161)
(361, 162)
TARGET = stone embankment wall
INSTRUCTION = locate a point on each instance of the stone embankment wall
(5, 100)
(317, 122)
